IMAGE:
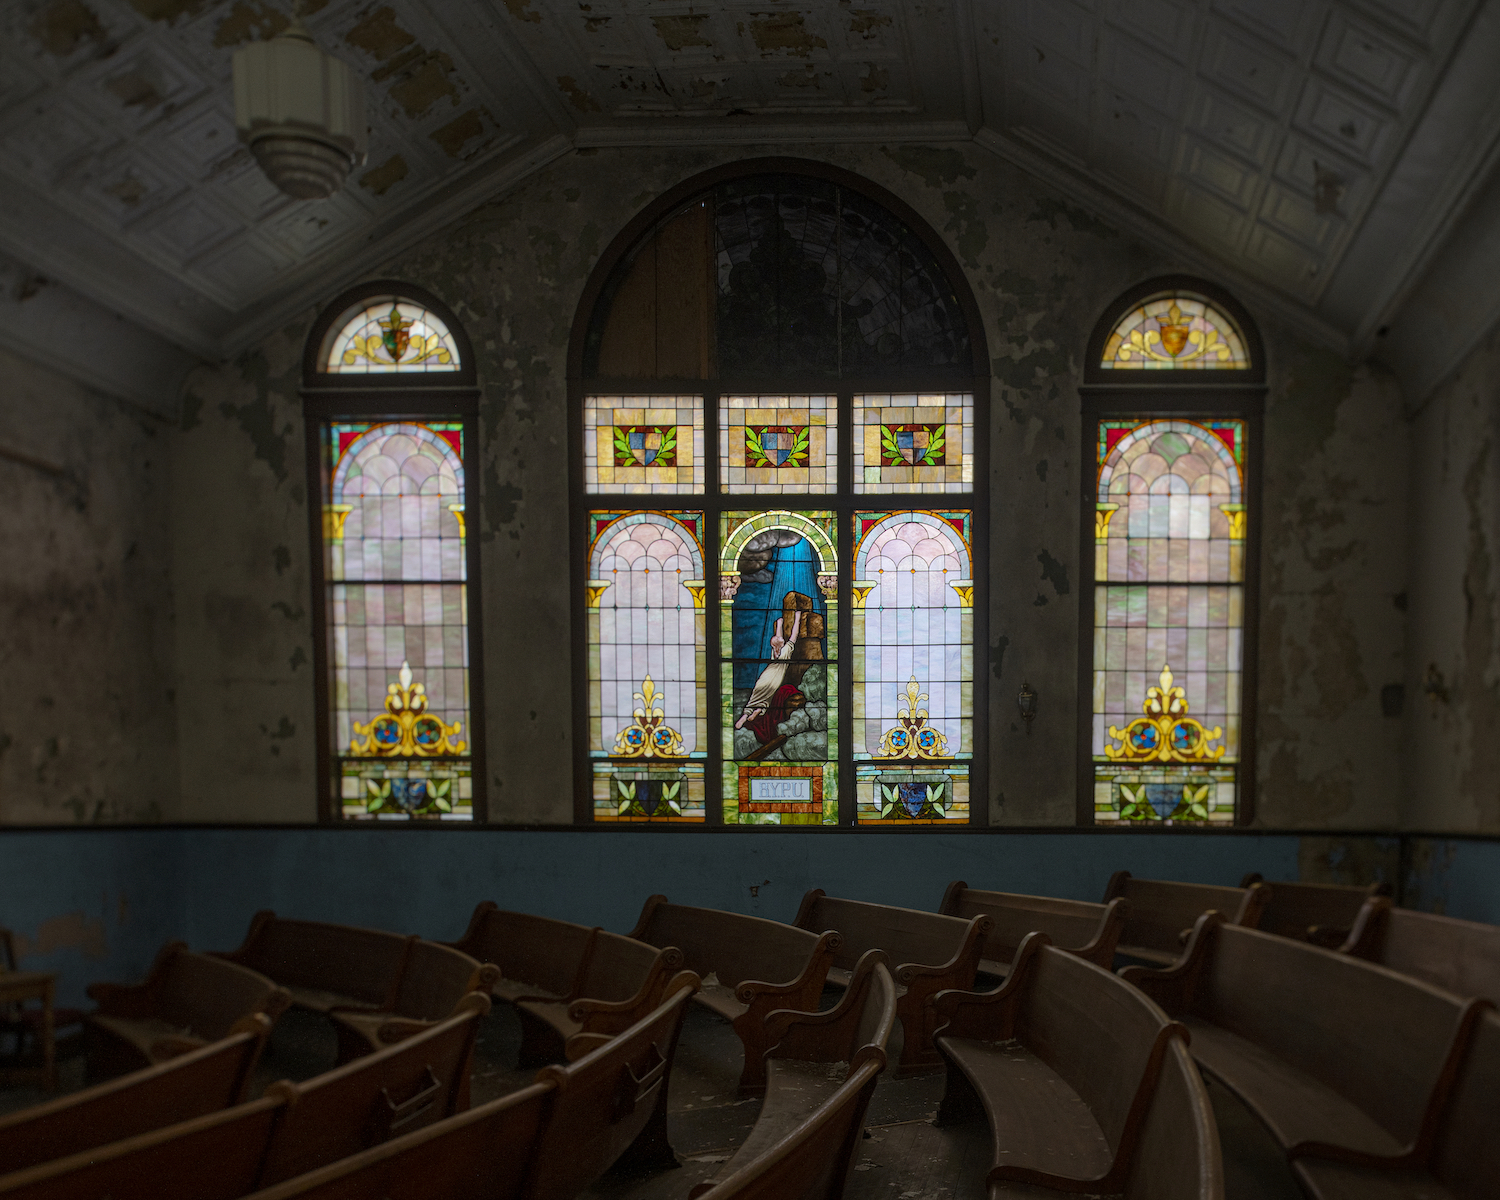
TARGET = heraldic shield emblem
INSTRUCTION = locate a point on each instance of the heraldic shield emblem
(645, 444)
(778, 443)
(911, 441)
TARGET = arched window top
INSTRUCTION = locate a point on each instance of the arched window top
(766, 275)
(387, 335)
(1175, 332)
(399, 459)
(1171, 457)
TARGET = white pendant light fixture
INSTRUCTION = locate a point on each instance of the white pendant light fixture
(301, 111)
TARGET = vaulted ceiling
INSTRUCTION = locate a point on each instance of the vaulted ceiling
(1324, 153)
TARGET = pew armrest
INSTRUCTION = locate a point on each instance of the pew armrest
(986, 1016)
(1175, 987)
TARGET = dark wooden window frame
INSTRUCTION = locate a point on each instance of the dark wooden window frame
(712, 502)
(1207, 393)
(394, 397)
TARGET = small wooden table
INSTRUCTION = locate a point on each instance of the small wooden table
(17, 987)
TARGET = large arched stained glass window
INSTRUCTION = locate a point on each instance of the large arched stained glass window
(770, 367)
(399, 735)
(1170, 515)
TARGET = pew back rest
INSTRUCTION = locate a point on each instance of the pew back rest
(907, 935)
(812, 1160)
(545, 953)
(1462, 957)
(605, 1099)
(362, 964)
(1293, 908)
(484, 1152)
(216, 1157)
(1071, 924)
(201, 1081)
(209, 995)
(729, 945)
(1161, 910)
(436, 978)
(619, 968)
(389, 1093)
(1375, 1037)
(1468, 1152)
(1177, 1157)
(1092, 1028)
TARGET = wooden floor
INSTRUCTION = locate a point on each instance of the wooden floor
(904, 1157)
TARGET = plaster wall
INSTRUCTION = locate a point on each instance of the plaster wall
(88, 711)
(1453, 657)
(1042, 271)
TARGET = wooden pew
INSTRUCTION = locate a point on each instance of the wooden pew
(325, 966)
(190, 1085)
(1462, 957)
(1090, 931)
(1083, 1080)
(1464, 1163)
(610, 1105)
(207, 1158)
(1326, 1050)
(810, 1161)
(929, 953)
(820, 1073)
(546, 1142)
(751, 967)
(483, 1153)
(434, 984)
(1162, 913)
(539, 958)
(294, 1128)
(622, 980)
(1321, 913)
(186, 1001)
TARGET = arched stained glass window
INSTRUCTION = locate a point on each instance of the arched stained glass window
(388, 335)
(1171, 523)
(775, 363)
(1174, 333)
(401, 717)
(646, 646)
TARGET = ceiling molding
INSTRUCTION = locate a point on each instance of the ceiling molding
(339, 266)
(60, 330)
(1148, 228)
(1453, 307)
(695, 131)
(1452, 151)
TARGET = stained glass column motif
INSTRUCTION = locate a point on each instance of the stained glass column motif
(913, 638)
(393, 524)
(1169, 619)
(648, 704)
(778, 622)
